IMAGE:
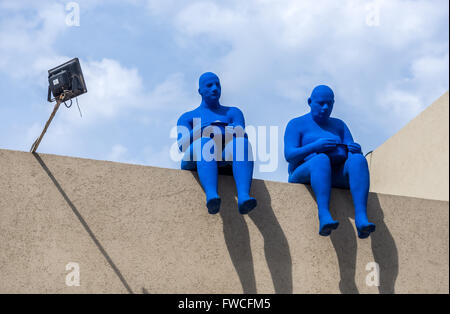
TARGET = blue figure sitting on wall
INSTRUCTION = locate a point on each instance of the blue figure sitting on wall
(320, 151)
(213, 136)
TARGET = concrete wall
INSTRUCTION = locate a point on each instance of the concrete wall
(146, 230)
(415, 161)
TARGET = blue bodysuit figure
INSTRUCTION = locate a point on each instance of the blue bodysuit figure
(320, 151)
(213, 136)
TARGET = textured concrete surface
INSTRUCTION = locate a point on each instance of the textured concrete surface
(146, 230)
(415, 161)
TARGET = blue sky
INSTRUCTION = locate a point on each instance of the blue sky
(142, 58)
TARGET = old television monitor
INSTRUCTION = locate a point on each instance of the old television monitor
(67, 80)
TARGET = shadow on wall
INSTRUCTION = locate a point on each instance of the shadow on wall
(276, 248)
(83, 223)
(383, 247)
(344, 240)
(237, 238)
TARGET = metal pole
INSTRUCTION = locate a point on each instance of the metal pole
(38, 141)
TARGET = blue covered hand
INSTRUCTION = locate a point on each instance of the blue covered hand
(354, 148)
(323, 145)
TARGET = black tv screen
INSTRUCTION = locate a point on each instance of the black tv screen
(68, 79)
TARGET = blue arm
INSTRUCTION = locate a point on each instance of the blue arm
(294, 152)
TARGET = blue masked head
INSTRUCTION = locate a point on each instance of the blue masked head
(321, 102)
(209, 87)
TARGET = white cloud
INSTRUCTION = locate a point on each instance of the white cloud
(112, 89)
(159, 157)
(400, 102)
(115, 91)
(403, 99)
(117, 152)
(282, 49)
(148, 155)
(27, 39)
(269, 55)
(29, 47)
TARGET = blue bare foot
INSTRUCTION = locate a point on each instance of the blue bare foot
(365, 230)
(327, 224)
(213, 205)
(246, 205)
(364, 227)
